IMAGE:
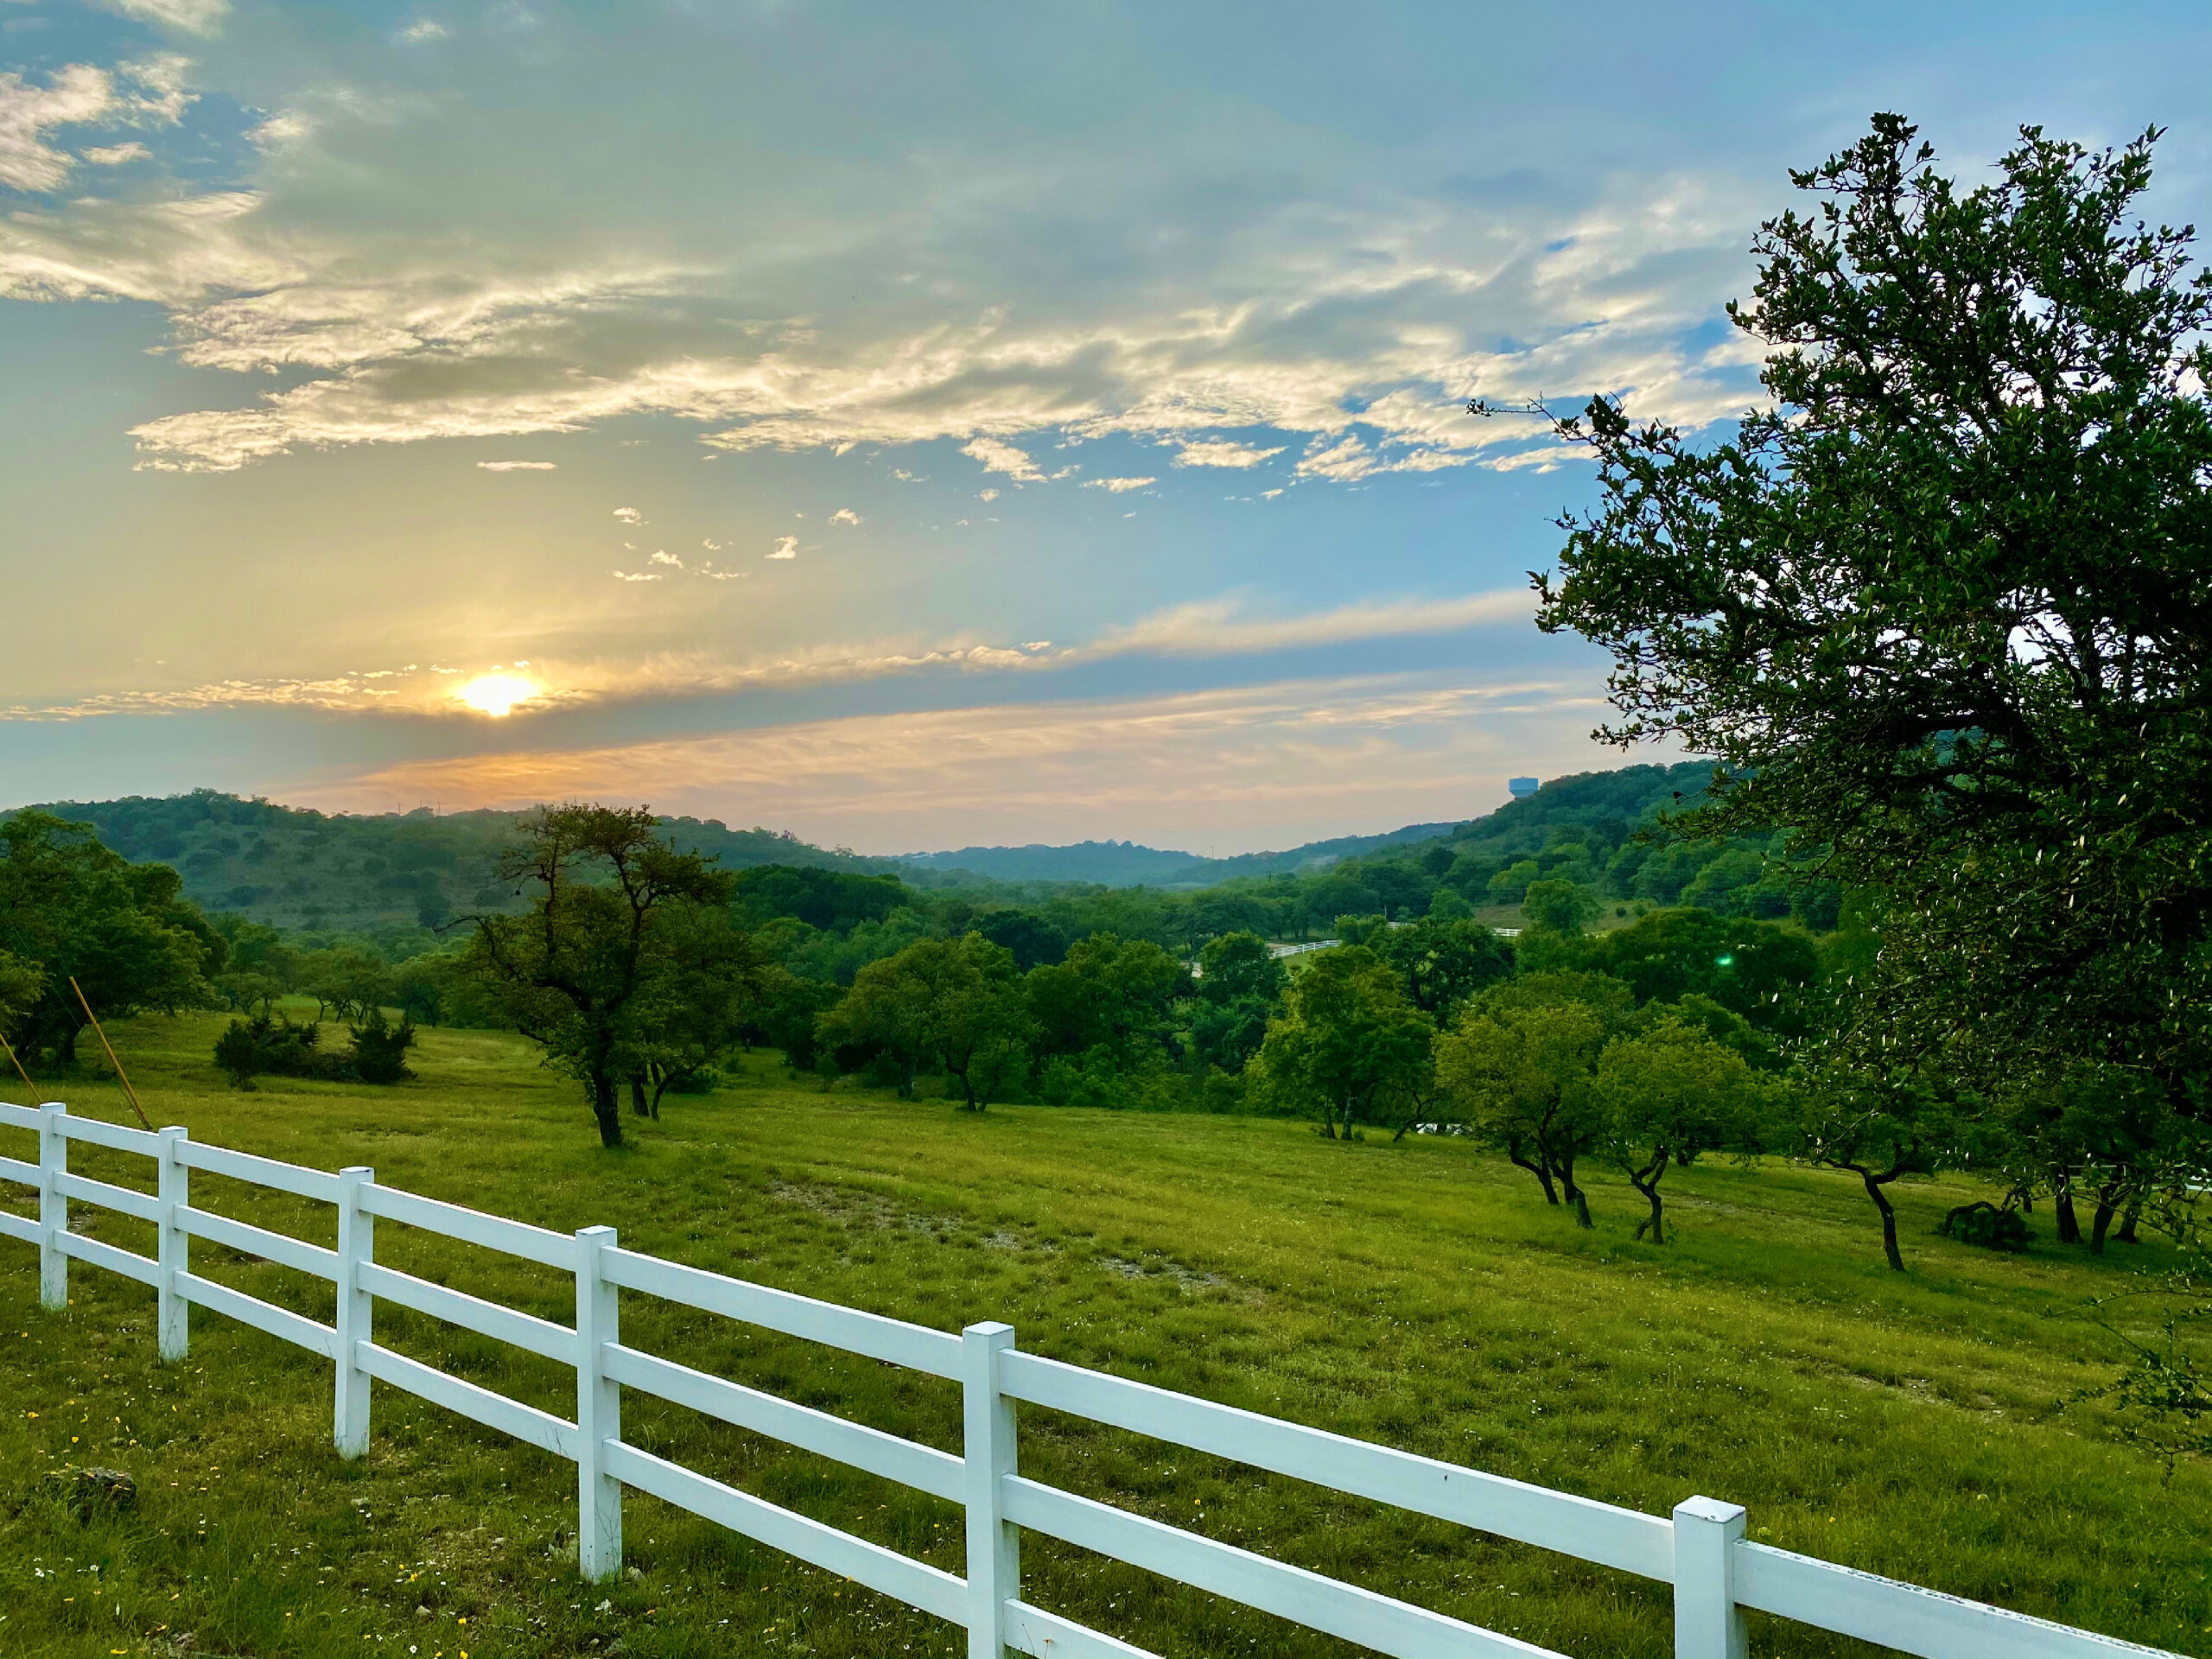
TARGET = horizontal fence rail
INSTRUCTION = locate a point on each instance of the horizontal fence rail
(1701, 1550)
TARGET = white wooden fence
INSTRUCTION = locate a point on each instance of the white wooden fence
(1701, 1550)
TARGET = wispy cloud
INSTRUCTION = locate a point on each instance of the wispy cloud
(998, 457)
(1263, 765)
(786, 547)
(1226, 627)
(845, 516)
(630, 515)
(1119, 485)
(192, 16)
(149, 93)
(518, 466)
(1223, 452)
(1366, 364)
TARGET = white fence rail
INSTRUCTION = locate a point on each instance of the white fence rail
(1700, 1549)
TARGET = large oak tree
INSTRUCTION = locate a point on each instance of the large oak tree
(1946, 606)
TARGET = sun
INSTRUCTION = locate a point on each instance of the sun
(497, 695)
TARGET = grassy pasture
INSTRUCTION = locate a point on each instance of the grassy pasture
(1418, 1293)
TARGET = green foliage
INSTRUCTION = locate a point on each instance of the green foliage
(1560, 906)
(1518, 1068)
(1668, 1094)
(1033, 938)
(1108, 991)
(1511, 885)
(1760, 970)
(605, 942)
(1240, 987)
(829, 901)
(959, 1003)
(272, 1046)
(1350, 1048)
(1944, 607)
(1881, 1125)
(1989, 1227)
(344, 980)
(70, 908)
(1443, 963)
(380, 1048)
(268, 1045)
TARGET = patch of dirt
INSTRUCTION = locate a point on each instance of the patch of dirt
(1155, 1266)
(854, 1207)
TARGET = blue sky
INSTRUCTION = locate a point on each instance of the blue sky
(909, 426)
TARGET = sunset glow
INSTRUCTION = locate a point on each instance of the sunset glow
(497, 694)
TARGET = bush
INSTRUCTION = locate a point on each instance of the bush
(1983, 1224)
(380, 1048)
(273, 1046)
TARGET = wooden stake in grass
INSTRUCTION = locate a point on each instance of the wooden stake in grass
(130, 1093)
(18, 1065)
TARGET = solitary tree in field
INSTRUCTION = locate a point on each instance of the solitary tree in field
(1668, 1095)
(1946, 606)
(1521, 1078)
(578, 972)
(1880, 1124)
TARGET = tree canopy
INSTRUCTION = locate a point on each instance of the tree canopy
(71, 908)
(601, 946)
(1945, 609)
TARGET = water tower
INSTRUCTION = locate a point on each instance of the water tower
(1522, 788)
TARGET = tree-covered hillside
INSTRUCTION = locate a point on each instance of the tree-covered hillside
(289, 868)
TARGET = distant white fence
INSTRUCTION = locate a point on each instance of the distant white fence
(1701, 1550)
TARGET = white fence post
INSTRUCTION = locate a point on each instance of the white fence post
(598, 1410)
(357, 1245)
(989, 1445)
(53, 1208)
(172, 1190)
(1708, 1624)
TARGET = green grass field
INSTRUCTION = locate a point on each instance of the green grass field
(1417, 1294)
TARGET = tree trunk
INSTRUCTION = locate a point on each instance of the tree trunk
(606, 1106)
(1874, 1184)
(1551, 1192)
(2128, 1221)
(1646, 1181)
(2108, 1207)
(638, 1106)
(1575, 1195)
(2061, 1202)
(906, 1082)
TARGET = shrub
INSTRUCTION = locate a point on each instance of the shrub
(271, 1046)
(1983, 1224)
(380, 1048)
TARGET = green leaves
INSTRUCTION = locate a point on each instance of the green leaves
(1946, 606)
(71, 907)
